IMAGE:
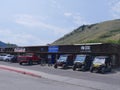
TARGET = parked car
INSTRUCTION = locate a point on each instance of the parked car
(8, 57)
(64, 61)
(3, 55)
(14, 59)
(101, 64)
(82, 62)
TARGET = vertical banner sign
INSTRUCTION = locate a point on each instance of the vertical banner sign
(53, 49)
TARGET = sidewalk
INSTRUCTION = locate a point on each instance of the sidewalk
(81, 82)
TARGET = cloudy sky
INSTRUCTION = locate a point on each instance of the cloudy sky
(39, 22)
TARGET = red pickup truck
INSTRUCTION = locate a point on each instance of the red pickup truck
(29, 58)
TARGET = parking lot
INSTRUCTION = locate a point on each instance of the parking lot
(112, 79)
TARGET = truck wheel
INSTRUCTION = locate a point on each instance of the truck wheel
(30, 62)
(55, 66)
(74, 67)
(20, 63)
(39, 62)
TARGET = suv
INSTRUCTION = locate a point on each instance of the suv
(64, 61)
(82, 62)
(101, 64)
(28, 58)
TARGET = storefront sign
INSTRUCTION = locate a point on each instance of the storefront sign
(53, 49)
(86, 48)
(19, 49)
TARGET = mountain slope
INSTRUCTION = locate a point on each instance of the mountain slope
(105, 32)
(4, 45)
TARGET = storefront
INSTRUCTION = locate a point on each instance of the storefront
(53, 52)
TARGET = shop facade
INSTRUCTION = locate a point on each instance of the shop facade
(54, 51)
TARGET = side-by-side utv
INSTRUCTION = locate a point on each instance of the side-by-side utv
(82, 62)
(101, 64)
(64, 61)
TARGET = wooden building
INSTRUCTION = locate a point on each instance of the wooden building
(95, 49)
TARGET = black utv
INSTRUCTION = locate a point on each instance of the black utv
(82, 62)
(64, 61)
(101, 64)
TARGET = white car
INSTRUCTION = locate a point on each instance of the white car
(2, 56)
(8, 57)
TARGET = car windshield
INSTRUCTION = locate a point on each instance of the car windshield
(10, 56)
(80, 58)
(99, 60)
(63, 58)
(3, 55)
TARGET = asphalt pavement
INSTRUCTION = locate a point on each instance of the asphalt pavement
(89, 80)
(14, 81)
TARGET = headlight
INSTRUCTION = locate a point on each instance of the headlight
(96, 65)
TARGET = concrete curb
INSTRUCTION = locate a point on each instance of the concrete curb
(20, 71)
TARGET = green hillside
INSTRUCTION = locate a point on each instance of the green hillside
(105, 32)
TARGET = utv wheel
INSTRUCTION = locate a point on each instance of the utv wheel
(74, 68)
(109, 69)
(55, 66)
(91, 69)
(103, 70)
(83, 68)
(64, 66)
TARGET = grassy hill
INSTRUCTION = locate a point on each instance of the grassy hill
(105, 32)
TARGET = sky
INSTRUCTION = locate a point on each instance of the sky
(41, 22)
